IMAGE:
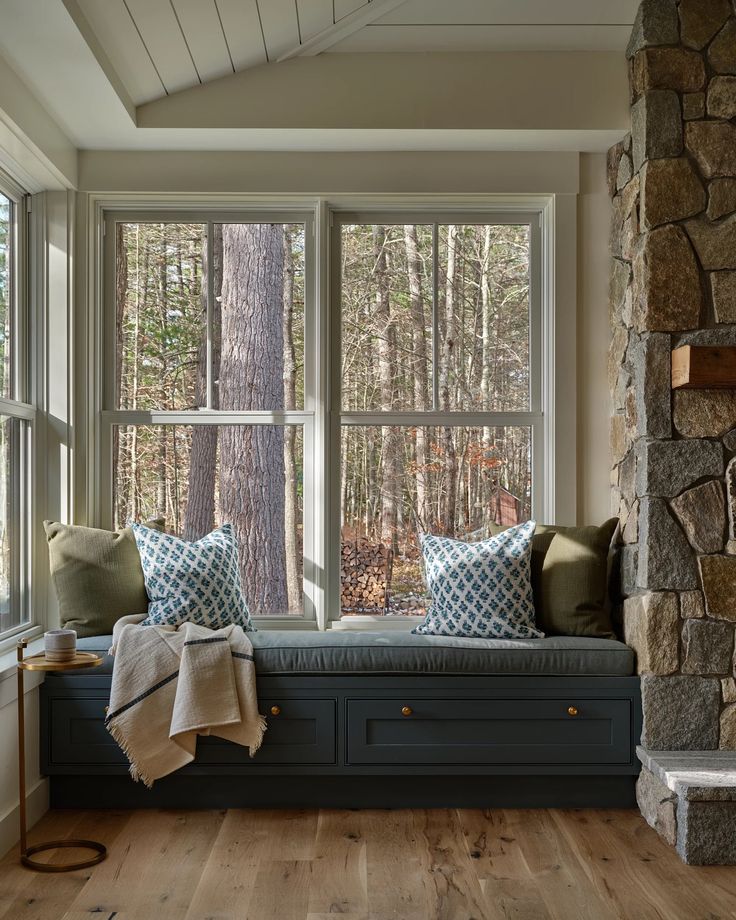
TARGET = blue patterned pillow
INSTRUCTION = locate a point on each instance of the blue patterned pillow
(192, 582)
(480, 590)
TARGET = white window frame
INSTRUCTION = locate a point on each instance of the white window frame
(554, 462)
(21, 406)
(535, 417)
(110, 416)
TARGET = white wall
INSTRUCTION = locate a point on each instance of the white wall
(381, 172)
(36, 787)
(594, 400)
(52, 229)
(32, 146)
(560, 173)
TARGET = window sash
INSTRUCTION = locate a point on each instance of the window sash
(208, 218)
(436, 220)
(110, 416)
(536, 417)
(17, 406)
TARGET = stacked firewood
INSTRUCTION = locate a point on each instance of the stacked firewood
(365, 576)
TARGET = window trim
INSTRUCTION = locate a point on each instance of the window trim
(19, 406)
(558, 223)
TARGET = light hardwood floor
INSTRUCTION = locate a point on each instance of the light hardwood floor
(367, 865)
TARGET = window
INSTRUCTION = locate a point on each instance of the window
(16, 416)
(438, 391)
(330, 430)
(205, 420)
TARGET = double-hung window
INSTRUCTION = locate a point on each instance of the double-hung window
(16, 414)
(439, 391)
(205, 416)
(330, 417)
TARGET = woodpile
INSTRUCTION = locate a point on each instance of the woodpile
(365, 577)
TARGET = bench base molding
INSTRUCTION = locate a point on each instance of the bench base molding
(181, 791)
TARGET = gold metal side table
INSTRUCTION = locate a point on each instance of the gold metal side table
(41, 663)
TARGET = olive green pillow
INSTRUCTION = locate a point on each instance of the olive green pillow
(570, 579)
(97, 575)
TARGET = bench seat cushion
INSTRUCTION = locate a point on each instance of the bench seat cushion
(399, 652)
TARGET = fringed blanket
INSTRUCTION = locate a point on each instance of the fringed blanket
(170, 685)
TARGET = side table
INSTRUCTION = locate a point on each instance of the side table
(41, 663)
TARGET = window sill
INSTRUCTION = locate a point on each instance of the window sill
(377, 623)
(284, 622)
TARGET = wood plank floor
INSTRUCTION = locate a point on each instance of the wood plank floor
(366, 865)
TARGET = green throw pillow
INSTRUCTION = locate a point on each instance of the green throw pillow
(97, 575)
(570, 579)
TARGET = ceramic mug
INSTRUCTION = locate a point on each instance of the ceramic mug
(60, 644)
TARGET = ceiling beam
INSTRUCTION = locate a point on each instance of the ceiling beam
(353, 22)
(88, 34)
(574, 91)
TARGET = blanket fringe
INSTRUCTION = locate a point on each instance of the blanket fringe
(262, 726)
(136, 774)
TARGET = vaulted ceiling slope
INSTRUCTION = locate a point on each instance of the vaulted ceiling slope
(325, 74)
(158, 47)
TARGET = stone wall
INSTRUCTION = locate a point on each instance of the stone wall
(673, 282)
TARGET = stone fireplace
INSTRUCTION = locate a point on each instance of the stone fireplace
(673, 282)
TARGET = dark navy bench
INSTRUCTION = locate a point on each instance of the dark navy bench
(389, 719)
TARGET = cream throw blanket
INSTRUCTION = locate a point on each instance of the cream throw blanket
(171, 684)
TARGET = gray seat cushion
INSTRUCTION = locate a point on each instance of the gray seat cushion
(397, 652)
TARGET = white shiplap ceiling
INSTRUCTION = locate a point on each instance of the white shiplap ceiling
(158, 47)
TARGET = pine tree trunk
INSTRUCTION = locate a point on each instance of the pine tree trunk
(449, 485)
(200, 512)
(163, 297)
(293, 583)
(120, 473)
(251, 377)
(141, 297)
(419, 349)
(386, 333)
(487, 371)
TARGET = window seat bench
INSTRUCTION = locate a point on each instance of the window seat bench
(381, 719)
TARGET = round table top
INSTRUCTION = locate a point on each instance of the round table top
(41, 662)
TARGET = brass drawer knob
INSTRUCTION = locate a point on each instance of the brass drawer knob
(275, 710)
(572, 710)
(406, 710)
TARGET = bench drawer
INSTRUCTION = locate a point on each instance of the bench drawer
(303, 732)
(78, 733)
(488, 731)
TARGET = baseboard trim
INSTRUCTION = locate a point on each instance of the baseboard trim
(37, 804)
(346, 792)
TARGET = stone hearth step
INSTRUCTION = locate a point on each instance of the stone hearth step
(689, 797)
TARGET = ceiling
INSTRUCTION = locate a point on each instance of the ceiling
(159, 47)
(324, 74)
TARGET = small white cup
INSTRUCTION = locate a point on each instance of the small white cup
(60, 644)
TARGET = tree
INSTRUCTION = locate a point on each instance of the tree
(447, 372)
(121, 293)
(419, 367)
(291, 504)
(251, 377)
(386, 334)
(396, 479)
(200, 510)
